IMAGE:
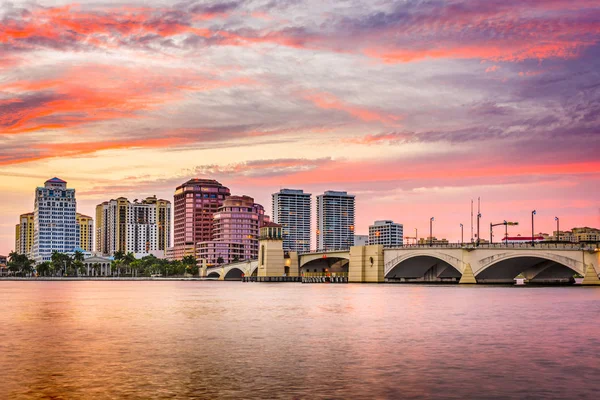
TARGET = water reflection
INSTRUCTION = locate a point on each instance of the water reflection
(248, 340)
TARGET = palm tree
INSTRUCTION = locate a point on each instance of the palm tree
(20, 263)
(44, 268)
(78, 258)
(128, 259)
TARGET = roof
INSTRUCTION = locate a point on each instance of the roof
(56, 180)
(270, 224)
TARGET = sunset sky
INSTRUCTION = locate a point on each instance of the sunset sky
(416, 107)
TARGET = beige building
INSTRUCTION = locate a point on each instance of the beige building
(24, 234)
(584, 234)
(85, 226)
(436, 241)
(135, 227)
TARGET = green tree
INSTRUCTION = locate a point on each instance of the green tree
(78, 266)
(127, 260)
(44, 268)
(20, 264)
(220, 260)
(190, 265)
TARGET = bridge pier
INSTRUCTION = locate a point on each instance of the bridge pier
(467, 277)
(366, 264)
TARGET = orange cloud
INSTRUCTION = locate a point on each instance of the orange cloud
(328, 101)
(93, 93)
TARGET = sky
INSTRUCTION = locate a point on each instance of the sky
(416, 107)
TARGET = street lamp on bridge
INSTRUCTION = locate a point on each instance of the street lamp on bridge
(506, 224)
(478, 218)
(557, 230)
(431, 231)
(461, 233)
(532, 230)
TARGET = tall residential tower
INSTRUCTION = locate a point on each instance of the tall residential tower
(335, 220)
(235, 233)
(55, 226)
(24, 234)
(140, 227)
(196, 201)
(292, 210)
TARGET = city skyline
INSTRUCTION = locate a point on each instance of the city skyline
(493, 99)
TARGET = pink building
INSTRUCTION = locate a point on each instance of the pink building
(236, 227)
(195, 203)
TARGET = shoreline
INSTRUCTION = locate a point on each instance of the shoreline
(108, 278)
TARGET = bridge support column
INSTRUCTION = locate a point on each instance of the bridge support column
(222, 274)
(366, 264)
(591, 276)
(292, 264)
(467, 277)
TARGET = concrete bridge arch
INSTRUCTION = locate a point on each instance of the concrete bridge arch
(534, 265)
(425, 265)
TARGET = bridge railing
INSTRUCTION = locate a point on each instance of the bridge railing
(538, 245)
(323, 251)
(321, 274)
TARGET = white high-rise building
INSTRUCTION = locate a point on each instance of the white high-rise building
(335, 220)
(386, 232)
(292, 210)
(55, 225)
(141, 228)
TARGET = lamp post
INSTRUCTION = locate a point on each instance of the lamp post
(461, 234)
(478, 218)
(416, 237)
(557, 230)
(532, 230)
(431, 231)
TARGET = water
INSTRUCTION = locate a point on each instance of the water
(140, 340)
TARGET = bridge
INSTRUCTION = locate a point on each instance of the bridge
(542, 263)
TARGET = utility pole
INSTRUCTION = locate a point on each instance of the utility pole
(532, 230)
(461, 234)
(557, 230)
(431, 231)
(471, 220)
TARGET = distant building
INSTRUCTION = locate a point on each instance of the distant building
(361, 240)
(195, 203)
(586, 234)
(436, 241)
(235, 232)
(141, 228)
(335, 220)
(55, 226)
(24, 234)
(85, 226)
(3, 265)
(386, 232)
(292, 210)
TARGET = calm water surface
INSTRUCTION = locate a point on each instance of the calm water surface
(98, 340)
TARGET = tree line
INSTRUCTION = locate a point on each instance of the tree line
(123, 264)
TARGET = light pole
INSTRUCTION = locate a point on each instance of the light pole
(478, 218)
(416, 237)
(431, 231)
(557, 231)
(532, 230)
(461, 234)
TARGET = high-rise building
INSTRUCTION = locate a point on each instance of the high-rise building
(54, 223)
(235, 233)
(24, 234)
(140, 227)
(361, 240)
(335, 220)
(292, 210)
(85, 226)
(195, 203)
(386, 232)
